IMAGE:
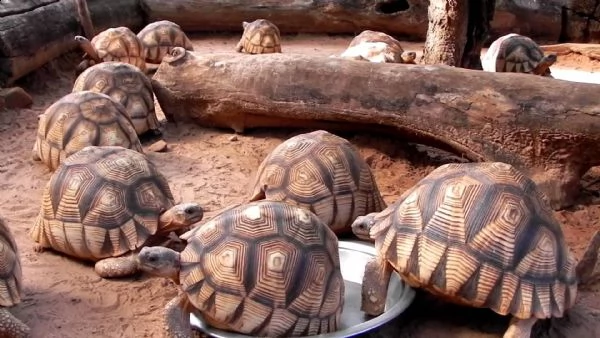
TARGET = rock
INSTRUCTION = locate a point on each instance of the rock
(233, 138)
(158, 146)
(14, 98)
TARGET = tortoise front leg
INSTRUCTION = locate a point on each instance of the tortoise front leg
(520, 328)
(375, 286)
(177, 318)
(116, 267)
(11, 326)
(240, 46)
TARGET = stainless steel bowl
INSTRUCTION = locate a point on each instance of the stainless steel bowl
(354, 256)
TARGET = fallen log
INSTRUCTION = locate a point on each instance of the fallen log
(405, 17)
(33, 32)
(549, 128)
(592, 51)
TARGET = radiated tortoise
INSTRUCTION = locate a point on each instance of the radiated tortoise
(514, 53)
(126, 84)
(477, 234)
(160, 37)
(260, 36)
(265, 269)
(11, 285)
(112, 44)
(106, 202)
(323, 173)
(377, 46)
(82, 119)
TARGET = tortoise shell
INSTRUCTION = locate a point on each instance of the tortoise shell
(10, 269)
(102, 202)
(127, 85)
(160, 37)
(266, 269)
(260, 36)
(323, 173)
(482, 235)
(82, 119)
(372, 41)
(120, 44)
(514, 53)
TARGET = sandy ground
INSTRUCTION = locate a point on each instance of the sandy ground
(65, 298)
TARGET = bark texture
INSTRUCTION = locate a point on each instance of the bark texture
(447, 32)
(548, 128)
(33, 32)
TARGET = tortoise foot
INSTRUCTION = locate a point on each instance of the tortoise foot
(39, 248)
(375, 286)
(520, 328)
(177, 318)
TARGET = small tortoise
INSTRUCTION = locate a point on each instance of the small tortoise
(514, 53)
(477, 234)
(106, 202)
(112, 44)
(265, 269)
(10, 285)
(160, 37)
(82, 119)
(260, 37)
(323, 173)
(126, 84)
(376, 46)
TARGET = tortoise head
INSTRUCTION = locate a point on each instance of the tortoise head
(544, 65)
(361, 227)
(180, 216)
(88, 48)
(159, 261)
(245, 24)
(408, 57)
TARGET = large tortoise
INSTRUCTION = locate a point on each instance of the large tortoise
(514, 53)
(82, 119)
(10, 285)
(477, 234)
(106, 202)
(160, 37)
(377, 46)
(323, 173)
(260, 36)
(112, 44)
(126, 84)
(264, 269)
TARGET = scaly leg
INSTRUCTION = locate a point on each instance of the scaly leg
(375, 286)
(520, 328)
(11, 326)
(177, 318)
(116, 267)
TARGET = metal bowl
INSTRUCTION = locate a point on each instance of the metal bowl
(354, 256)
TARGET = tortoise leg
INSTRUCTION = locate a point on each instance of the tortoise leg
(520, 328)
(116, 267)
(177, 319)
(375, 286)
(11, 326)
(239, 46)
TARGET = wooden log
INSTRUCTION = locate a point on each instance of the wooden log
(33, 32)
(400, 17)
(592, 51)
(549, 128)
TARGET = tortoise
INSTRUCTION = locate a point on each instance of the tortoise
(260, 36)
(264, 268)
(322, 172)
(82, 119)
(126, 84)
(514, 53)
(160, 37)
(112, 44)
(105, 202)
(476, 234)
(11, 287)
(377, 46)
